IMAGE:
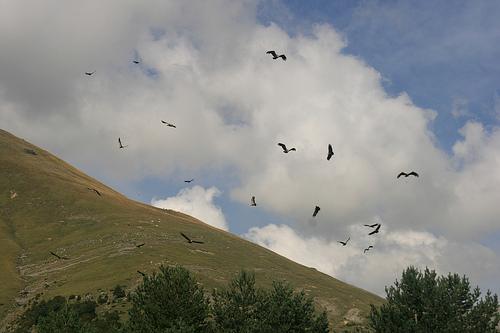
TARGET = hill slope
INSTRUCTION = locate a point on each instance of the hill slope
(45, 205)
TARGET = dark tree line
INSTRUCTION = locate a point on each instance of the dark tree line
(172, 301)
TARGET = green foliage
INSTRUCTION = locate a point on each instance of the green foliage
(244, 308)
(119, 292)
(424, 302)
(170, 301)
(64, 320)
(39, 310)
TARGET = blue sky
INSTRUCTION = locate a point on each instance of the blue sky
(442, 53)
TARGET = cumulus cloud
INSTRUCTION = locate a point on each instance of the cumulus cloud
(393, 251)
(204, 68)
(197, 202)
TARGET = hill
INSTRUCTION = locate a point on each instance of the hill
(45, 205)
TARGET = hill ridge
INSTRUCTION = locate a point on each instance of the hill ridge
(53, 210)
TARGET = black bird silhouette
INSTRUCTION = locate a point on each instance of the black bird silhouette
(344, 243)
(143, 274)
(120, 142)
(330, 152)
(253, 203)
(58, 257)
(413, 173)
(96, 191)
(135, 62)
(168, 124)
(371, 225)
(285, 149)
(316, 211)
(367, 249)
(376, 230)
(190, 240)
(140, 245)
(189, 181)
(89, 73)
(275, 56)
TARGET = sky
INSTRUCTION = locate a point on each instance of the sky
(392, 85)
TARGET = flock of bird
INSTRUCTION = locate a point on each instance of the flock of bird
(330, 153)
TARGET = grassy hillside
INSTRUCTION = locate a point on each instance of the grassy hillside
(45, 206)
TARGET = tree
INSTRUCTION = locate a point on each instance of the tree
(240, 307)
(64, 320)
(424, 302)
(170, 301)
(289, 311)
(247, 309)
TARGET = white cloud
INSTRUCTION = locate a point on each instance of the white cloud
(393, 251)
(197, 202)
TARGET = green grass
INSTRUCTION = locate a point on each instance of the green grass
(54, 211)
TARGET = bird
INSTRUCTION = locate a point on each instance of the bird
(143, 274)
(120, 142)
(367, 249)
(330, 152)
(190, 240)
(96, 191)
(168, 124)
(253, 203)
(58, 257)
(189, 181)
(89, 73)
(371, 225)
(316, 211)
(285, 149)
(413, 173)
(275, 56)
(140, 245)
(376, 230)
(344, 243)
(135, 61)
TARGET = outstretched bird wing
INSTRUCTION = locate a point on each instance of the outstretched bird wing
(273, 53)
(282, 57)
(187, 238)
(140, 245)
(198, 242)
(371, 225)
(282, 145)
(413, 173)
(402, 174)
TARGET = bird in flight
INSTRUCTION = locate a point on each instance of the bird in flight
(376, 230)
(330, 152)
(143, 274)
(371, 225)
(367, 249)
(89, 73)
(135, 62)
(96, 191)
(140, 245)
(275, 56)
(190, 240)
(120, 142)
(316, 211)
(285, 149)
(253, 203)
(413, 173)
(189, 181)
(168, 124)
(58, 257)
(344, 243)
